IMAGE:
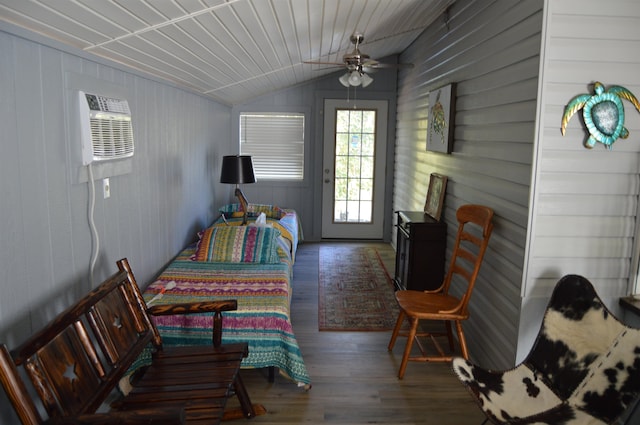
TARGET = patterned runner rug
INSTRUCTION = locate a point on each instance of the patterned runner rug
(355, 290)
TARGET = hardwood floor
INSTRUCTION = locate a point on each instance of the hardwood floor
(354, 377)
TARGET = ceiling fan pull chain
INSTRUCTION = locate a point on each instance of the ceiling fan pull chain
(355, 97)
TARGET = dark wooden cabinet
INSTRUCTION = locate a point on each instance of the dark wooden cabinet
(420, 252)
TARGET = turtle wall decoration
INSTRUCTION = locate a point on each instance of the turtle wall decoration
(603, 114)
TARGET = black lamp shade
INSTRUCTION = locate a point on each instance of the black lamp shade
(237, 169)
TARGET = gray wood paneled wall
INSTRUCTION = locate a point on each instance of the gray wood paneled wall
(490, 49)
(584, 206)
(560, 208)
(166, 192)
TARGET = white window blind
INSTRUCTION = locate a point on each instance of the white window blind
(275, 142)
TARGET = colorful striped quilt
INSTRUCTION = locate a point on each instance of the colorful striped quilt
(263, 292)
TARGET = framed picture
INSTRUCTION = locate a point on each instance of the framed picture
(441, 112)
(435, 196)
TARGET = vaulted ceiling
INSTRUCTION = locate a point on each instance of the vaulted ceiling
(229, 50)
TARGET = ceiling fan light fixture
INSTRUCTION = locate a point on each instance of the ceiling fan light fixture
(366, 80)
(355, 79)
(344, 79)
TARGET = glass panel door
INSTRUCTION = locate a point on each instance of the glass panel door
(354, 165)
(354, 159)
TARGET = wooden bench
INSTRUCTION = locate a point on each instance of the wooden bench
(77, 360)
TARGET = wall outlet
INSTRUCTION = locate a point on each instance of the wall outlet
(106, 188)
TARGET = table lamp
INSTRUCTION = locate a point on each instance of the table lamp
(238, 169)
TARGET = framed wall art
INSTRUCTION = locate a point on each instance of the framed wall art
(441, 113)
(435, 196)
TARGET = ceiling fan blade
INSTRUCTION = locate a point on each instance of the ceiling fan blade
(358, 61)
(389, 65)
(331, 67)
(324, 63)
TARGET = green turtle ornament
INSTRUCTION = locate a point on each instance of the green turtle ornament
(603, 114)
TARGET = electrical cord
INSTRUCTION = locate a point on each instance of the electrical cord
(94, 231)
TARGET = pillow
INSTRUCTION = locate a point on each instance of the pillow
(253, 210)
(238, 244)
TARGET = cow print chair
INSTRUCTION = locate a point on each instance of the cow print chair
(584, 367)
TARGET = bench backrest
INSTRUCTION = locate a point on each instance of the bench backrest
(79, 357)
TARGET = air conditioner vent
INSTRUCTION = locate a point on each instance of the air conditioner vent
(107, 132)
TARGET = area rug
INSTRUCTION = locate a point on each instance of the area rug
(355, 290)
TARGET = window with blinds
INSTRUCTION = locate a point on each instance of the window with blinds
(275, 142)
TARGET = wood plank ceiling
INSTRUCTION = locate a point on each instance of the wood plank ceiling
(229, 50)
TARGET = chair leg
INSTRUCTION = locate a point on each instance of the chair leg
(463, 342)
(447, 324)
(243, 397)
(396, 330)
(407, 349)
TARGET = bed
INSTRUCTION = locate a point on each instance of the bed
(218, 267)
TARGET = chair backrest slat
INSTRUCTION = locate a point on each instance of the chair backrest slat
(144, 320)
(463, 274)
(15, 388)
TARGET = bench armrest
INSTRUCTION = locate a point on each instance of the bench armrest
(160, 416)
(216, 307)
(191, 308)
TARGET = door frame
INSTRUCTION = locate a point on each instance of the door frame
(377, 230)
(314, 215)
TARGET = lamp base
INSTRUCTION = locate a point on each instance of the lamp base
(244, 203)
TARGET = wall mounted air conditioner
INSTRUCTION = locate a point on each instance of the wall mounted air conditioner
(106, 130)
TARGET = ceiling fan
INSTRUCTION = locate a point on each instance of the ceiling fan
(358, 65)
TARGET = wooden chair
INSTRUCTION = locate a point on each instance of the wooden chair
(441, 304)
